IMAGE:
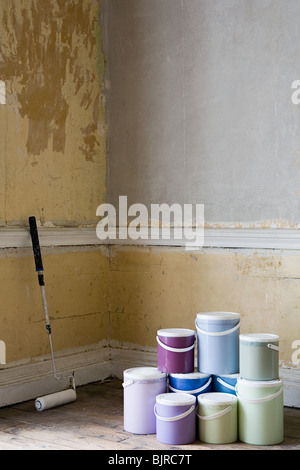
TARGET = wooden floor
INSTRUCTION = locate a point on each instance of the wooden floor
(95, 422)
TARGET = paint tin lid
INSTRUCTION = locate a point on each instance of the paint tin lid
(217, 316)
(175, 399)
(228, 376)
(217, 398)
(143, 373)
(175, 332)
(259, 383)
(190, 375)
(259, 337)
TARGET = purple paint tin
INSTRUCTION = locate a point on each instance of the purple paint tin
(175, 350)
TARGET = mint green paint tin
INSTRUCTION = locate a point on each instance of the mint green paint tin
(217, 418)
(260, 411)
(259, 356)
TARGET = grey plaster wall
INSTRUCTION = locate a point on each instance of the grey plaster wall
(199, 106)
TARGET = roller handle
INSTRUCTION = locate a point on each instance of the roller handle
(36, 249)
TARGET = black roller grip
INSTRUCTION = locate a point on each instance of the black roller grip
(35, 244)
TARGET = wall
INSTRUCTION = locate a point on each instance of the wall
(159, 287)
(199, 111)
(53, 166)
(76, 289)
(53, 161)
(200, 99)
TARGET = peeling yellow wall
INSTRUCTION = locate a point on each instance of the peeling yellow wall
(156, 288)
(53, 132)
(76, 288)
(53, 166)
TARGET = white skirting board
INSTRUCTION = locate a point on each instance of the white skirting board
(291, 386)
(24, 382)
(250, 238)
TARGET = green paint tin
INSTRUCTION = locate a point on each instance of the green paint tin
(260, 411)
(217, 418)
(259, 356)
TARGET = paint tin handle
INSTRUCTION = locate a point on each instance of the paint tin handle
(168, 348)
(259, 400)
(217, 333)
(174, 418)
(192, 392)
(225, 384)
(216, 415)
(272, 346)
(127, 383)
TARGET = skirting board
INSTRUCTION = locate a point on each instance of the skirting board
(24, 382)
(28, 381)
(254, 238)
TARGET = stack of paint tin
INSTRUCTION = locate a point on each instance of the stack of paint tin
(176, 411)
(260, 390)
(233, 372)
(218, 354)
(149, 407)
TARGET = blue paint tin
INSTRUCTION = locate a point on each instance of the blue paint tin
(218, 342)
(225, 383)
(193, 383)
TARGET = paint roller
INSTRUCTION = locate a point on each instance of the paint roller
(65, 396)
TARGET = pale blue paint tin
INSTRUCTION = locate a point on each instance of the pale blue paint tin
(218, 342)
